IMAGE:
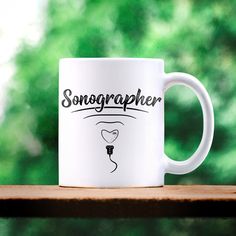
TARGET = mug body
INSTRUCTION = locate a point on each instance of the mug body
(111, 122)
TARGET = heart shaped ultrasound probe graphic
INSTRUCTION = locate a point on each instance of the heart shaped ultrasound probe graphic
(110, 136)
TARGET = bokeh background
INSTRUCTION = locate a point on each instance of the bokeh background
(197, 37)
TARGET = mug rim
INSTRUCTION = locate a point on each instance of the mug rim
(116, 59)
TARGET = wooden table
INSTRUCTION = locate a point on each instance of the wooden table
(168, 201)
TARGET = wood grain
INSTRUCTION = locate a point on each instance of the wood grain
(167, 201)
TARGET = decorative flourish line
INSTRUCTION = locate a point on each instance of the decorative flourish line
(84, 109)
(110, 107)
(109, 122)
(110, 115)
(128, 108)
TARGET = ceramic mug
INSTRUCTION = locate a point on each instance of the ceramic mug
(111, 122)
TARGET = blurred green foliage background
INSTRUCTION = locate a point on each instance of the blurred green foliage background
(197, 37)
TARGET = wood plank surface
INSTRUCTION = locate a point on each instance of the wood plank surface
(167, 201)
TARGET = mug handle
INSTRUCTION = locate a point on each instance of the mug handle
(183, 167)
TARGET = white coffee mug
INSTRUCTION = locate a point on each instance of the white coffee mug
(111, 122)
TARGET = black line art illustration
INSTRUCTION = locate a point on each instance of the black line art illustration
(110, 115)
(110, 136)
(109, 122)
(110, 103)
(109, 153)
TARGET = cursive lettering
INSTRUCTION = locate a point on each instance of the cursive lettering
(101, 100)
